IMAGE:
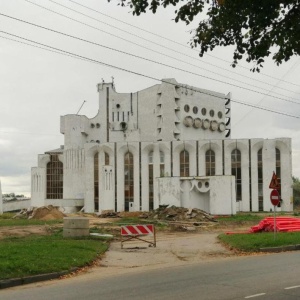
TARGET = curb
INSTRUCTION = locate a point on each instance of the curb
(281, 249)
(8, 283)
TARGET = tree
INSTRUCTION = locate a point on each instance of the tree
(253, 26)
(296, 190)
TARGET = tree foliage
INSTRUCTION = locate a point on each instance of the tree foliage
(253, 26)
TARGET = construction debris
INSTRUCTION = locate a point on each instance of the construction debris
(41, 213)
(179, 218)
(174, 213)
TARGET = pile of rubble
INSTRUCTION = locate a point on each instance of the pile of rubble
(177, 217)
(174, 213)
(41, 213)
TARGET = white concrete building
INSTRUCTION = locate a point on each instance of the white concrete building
(167, 144)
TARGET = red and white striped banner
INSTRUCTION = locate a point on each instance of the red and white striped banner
(131, 230)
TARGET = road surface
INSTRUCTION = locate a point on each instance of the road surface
(274, 276)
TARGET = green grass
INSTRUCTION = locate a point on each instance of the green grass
(240, 217)
(25, 222)
(253, 242)
(20, 257)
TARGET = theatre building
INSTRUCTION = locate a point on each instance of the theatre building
(167, 144)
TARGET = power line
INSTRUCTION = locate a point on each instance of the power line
(130, 33)
(136, 56)
(177, 43)
(150, 77)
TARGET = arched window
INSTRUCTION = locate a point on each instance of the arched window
(128, 180)
(210, 163)
(96, 182)
(260, 180)
(54, 178)
(236, 171)
(151, 176)
(278, 168)
(184, 164)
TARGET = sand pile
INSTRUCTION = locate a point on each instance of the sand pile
(49, 212)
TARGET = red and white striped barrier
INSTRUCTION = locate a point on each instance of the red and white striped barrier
(131, 232)
(137, 230)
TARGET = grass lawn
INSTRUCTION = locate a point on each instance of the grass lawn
(20, 257)
(254, 241)
(7, 220)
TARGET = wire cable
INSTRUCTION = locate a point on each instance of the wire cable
(177, 43)
(139, 57)
(150, 77)
(130, 33)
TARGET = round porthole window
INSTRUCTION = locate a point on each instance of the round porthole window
(211, 113)
(222, 127)
(188, 121)
(220, 115)
(214, 125)
(92, 125)
(195, 109)
(97, 125)
(199, 185)
(203, 111)
(186, 108)
(206, 184)
(205, 124)
(197, 123)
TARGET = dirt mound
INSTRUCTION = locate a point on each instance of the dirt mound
(47, 213)
(41, 213)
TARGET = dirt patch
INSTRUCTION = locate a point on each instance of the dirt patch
(20, 231)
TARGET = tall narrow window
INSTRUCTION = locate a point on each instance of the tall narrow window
(106, 158)
(210, 163)
(162, 163)
(128, 180)
(54, 178)
(96, 182)
(278, 168)
(237, 172)
(260, 180)
(151, 176)
(184, 164)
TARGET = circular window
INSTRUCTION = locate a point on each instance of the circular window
(97, 125)
(98, 141)
(195, 109)
(211, 113)
(205, 124)
(203, 111)
(197, 123)
(92, 125)
(199, 184)
(188, 121)
(222, 127)
(186, 108)
(214, 125)
(206, 184)
(118, 105)
(220, 115)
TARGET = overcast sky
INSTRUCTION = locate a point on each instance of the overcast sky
(38, 86)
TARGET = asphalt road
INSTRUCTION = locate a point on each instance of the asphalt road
(275, 276)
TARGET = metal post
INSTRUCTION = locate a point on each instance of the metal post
(274, 222)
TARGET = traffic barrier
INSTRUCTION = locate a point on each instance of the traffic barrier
(135, 232)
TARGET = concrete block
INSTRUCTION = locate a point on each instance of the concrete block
(76, 232)
(76, 222)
